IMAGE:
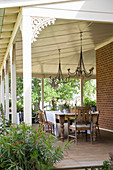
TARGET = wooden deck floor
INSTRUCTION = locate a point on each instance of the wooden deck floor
(84, 153)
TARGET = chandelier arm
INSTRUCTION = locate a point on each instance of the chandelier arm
(81, 70)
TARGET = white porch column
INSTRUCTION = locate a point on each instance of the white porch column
(27, 71)
(81, 91)
(13, 83)
(42, 93)
(2, 88)
(7, 89)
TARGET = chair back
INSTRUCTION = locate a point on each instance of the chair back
(83, 114)
(41, 116)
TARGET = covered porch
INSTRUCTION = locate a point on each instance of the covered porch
(29, 48)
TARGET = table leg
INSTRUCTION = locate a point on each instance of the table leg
(94, 127)
(62, 127)
(94, 132)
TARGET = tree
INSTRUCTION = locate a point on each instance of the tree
(36, 92)
(53, 91)
(89, 91)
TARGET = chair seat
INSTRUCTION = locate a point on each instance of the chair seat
(80, 126)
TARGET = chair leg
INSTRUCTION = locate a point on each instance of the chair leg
(86, 135)
(76, 136)
(91, 136)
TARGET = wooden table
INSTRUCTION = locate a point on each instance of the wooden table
(64, 116)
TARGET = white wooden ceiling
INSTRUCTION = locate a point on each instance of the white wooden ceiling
(64, 35)
(8, 18)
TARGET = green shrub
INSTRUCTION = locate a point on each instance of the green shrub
(24, 148)
(88, 102)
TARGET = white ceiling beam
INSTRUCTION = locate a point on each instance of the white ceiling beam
(16, 3)
(14, 33)
(93, 10)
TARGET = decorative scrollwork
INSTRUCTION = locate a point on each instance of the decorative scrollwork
(38, 23)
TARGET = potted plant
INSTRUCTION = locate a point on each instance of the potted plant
(92, 103)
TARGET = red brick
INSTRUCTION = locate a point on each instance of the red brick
(104, 76)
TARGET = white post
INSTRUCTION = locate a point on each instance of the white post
(7, 89)
(27, 71)
(2, 88)
(81, 91)
(42, 93)
(13, 83)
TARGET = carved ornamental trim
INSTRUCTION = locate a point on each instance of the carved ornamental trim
(38, 23)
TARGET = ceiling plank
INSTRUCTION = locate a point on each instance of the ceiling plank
(3, 40)
(3, 45)
(3, 50)
(8, 27)
(10, 11)
(9, 19)
(5, 34)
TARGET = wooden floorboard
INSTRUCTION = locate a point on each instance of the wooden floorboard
(85, 154)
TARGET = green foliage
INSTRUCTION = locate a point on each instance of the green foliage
(19, 106)
(106, 166)
(88, 102)
(36, 92)
(62, 91)
(4, 122)
(89, 89)
(23, 147)
(49, 91)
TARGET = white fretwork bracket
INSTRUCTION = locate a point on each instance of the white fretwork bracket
(39, 23)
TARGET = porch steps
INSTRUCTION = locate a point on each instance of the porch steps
(71, 164)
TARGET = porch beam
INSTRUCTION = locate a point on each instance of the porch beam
(27, 71)
(29, 3)
(100, 11)
(13, 83)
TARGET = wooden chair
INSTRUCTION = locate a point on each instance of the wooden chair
(47, 125)
(82, 123)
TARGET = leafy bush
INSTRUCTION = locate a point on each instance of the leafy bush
(24, 148)
(4, 124)
(88, 102)
(106, 166)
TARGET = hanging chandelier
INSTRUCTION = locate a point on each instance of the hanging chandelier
(59, 77)
(80, 70)
(59, 74)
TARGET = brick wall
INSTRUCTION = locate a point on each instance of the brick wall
(104, 75)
